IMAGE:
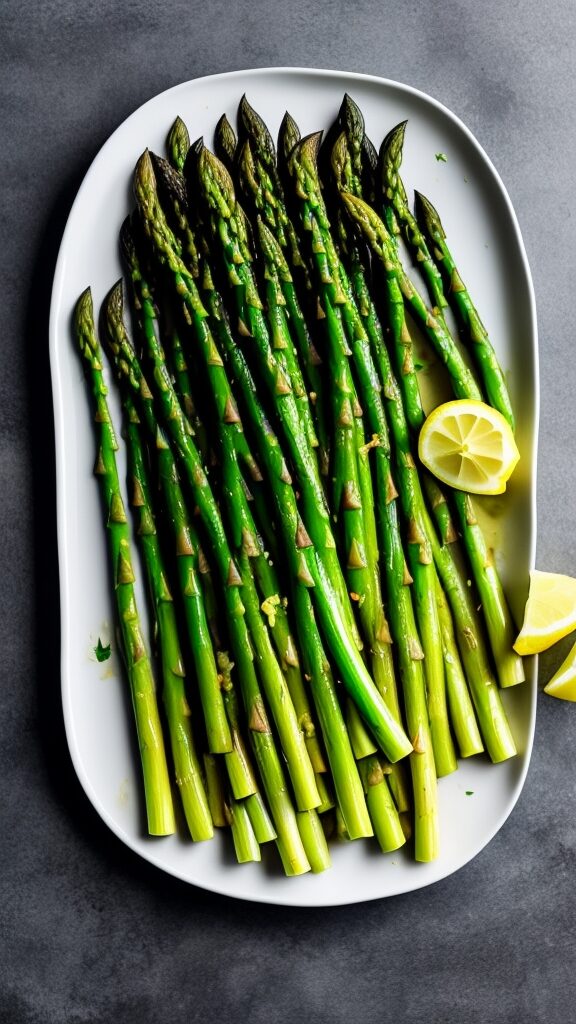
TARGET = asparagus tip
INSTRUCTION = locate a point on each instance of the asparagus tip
(288, 135)
(306, 151)
(351, 117)
(178, 142)
(84, 309)
(428, 214)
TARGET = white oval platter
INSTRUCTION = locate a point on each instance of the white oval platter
(484, 233)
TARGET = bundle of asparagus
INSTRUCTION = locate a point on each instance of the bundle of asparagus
(322, 609)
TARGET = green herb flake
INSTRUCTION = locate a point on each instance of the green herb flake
(469, 792)
(102, 652)
(442, 158)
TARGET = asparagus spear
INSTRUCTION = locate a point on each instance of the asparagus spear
(462, 714)
(485, 693)
(383, 812)
(158, 796)
(496, 610)
(260, 819)
(395, 199)
(178, 143)
(228, 229)
(215, 790)
(246, 844)
(383, 247)
(473, 329)
(187, 766)
(225, 143)
(314, 840)
(259, 189)
(336, 304)
(289, 843)
(185, 542)
(254, 130)
(343, 768)
(318, 568)
(420, 560)
(497, 615)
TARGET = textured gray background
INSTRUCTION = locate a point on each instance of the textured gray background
(89, 933)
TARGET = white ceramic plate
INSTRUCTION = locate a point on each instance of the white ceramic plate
(483, 232)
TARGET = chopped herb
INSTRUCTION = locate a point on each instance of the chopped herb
(102, 652)
(442, 158)
(469, 792)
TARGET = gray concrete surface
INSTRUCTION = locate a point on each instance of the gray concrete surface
(88, 933)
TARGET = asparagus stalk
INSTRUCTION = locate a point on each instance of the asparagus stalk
(230, 424)
(246, 845)
(280, 335)
(314, 840)
(260, 819)
(501, 631)
(229, 231)
(186, 764)
(347, 783)
(313, 215)
(158, 795)
(383, 812)
(215, 790)
(185, 542)
(492, 719)
(497, 613)
(460, 705)
(256, 133)
(473, 329)
(368, 357)
(259, 189)
(318, 568)
(434, 327)
(289, 843)
(396, 200)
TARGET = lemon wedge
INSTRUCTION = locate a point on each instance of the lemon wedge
(469, 445)
(550, 612)
(563, 682)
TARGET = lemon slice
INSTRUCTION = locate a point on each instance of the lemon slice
(469, 445)
(563, 683)
(550, 612)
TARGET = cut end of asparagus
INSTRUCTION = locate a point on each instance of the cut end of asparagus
(427, 215)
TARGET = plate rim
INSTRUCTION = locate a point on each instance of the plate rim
(295, 900)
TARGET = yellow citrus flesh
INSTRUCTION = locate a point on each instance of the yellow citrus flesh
(550, 612)
(469, 445)
(563, 682)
